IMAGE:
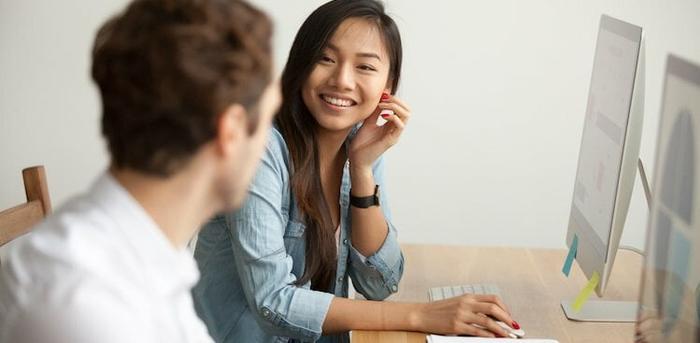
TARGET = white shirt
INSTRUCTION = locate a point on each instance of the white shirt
(99, 270)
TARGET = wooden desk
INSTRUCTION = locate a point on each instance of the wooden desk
(531, 283)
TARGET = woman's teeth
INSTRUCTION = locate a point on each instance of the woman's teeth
(337, 101)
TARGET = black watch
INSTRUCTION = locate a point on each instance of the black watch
(365, 202)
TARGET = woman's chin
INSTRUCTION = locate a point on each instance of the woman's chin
(335, 124)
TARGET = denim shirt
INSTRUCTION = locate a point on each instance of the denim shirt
(250, 259)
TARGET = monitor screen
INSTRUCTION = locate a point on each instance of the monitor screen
(669, 306)
(605, 126)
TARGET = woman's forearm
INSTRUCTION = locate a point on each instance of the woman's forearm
(467, 314)
(348, 314)
(369, 227)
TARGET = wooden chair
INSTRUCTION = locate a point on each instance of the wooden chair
(18, 220)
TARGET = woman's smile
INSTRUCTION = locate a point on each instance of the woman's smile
(336, 102)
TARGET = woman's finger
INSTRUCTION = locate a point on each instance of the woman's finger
(492, 298)
(396, 120)
(495, 311)
(400, 102)
(398, 110)
(396, 130)
(489, 324)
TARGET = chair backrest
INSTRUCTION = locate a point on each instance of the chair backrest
(18, 220)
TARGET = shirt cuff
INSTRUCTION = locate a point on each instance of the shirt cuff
(386, 264)
(388, 255)
(305, 316)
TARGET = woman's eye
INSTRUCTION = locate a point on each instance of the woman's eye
(326, 59)
(367, 67)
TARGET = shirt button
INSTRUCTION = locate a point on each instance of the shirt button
(266, 313)
(345, 241)
(394, 288)
(340, 279)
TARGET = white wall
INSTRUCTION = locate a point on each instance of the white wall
(498, 90)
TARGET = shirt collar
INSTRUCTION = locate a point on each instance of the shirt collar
(170, 270)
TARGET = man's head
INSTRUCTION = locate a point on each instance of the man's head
(180, 78)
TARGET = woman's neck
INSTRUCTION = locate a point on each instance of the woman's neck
(331, 158)
(330, 146)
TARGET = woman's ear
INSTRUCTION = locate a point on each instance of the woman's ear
(231, 128)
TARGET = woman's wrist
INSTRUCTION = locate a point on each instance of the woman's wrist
(362, 180)
(401, 316)
(414, 317)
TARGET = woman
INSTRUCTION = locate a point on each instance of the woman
(316, 215)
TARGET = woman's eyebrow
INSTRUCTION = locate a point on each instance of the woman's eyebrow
(359, 54)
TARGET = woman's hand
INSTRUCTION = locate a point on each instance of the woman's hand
(371, 140)
(468, 314)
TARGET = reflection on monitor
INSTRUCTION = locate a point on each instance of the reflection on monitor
(669, 308)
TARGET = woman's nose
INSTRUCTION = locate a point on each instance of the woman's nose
(342, 78)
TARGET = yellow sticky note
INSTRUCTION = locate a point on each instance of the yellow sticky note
(582, 297)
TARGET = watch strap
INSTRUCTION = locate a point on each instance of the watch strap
(365, 202)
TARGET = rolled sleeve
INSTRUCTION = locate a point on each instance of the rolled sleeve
(265, 267)
(289, 316)
(376, 277)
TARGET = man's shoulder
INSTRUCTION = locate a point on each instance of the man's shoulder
(81, 226)
(79, 243)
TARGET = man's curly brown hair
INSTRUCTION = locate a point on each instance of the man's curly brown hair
(166, 70)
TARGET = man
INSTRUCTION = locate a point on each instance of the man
(187, 103)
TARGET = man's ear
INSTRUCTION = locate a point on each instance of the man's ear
(231, 128)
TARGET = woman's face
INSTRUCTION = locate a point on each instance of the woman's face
(346, 85)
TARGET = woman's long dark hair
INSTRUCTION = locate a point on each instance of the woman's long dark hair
(298, 126)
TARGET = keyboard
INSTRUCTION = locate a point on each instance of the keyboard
(439, 293)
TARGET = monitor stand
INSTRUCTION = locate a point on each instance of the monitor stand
(602, 311)
(609, 310)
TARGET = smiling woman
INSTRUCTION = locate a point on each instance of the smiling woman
(317, 214)
(343, 87)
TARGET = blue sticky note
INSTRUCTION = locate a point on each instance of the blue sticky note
(570, 257)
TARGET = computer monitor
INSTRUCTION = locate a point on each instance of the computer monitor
(607, 161)
(669, 302)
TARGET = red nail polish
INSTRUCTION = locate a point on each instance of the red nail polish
(385, 96)
(516, 325)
